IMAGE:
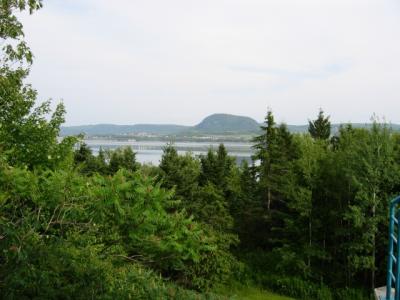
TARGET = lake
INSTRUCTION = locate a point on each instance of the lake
(151, 151)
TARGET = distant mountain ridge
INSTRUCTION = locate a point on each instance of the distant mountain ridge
(211, 125)
(112, 129)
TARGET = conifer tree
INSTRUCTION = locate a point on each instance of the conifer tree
(83, 153)
(180, 172)
(217, 168)
(321, 127)
(265, 149)
(247, 210)
(122, 158)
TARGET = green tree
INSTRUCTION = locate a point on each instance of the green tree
(371, 168)
(247, 209)
(88, 163)
(265, 149)
(101, 161)
(26, 135)
(205, 201)
(276, 153)
(210, 207)
(122, 158)
(298, 248)
(180, 172)
(321, 127)
(219, 189)
(217, 168)
(83, 153)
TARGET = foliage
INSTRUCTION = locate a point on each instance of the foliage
(27, 137)
(122, 158)
(202, 187)
(180, 172)
(320, 204)
(106, 162)
(88, 229)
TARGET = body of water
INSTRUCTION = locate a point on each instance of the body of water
(151, 151)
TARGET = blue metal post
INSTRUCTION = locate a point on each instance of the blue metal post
(393, 274)
(397, 290)
(390, 257)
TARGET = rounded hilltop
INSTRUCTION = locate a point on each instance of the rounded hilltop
(226, 123)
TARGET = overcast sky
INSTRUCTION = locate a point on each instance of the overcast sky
(176, 61)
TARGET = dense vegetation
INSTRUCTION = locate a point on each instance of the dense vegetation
(307, 219)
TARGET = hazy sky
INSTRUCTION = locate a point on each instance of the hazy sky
(176, 61)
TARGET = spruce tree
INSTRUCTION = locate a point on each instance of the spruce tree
(217, 168)
(180, 172)
(321, 127)
(265, 149)
(122, 158)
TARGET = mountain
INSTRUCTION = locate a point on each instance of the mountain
(224, 123)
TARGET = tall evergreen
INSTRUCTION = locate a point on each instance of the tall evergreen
(265, 153)
(320, 128)
(217, 168)
(180, 172)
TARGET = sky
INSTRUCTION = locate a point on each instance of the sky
(177, 61)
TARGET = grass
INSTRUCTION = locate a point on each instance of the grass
(250, 293)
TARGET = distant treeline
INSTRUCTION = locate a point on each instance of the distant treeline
(221, 127)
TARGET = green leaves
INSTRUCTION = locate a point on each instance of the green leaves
(27, 136)
(117, 219)
(11, 31)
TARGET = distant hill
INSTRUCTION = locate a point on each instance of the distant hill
(224, 123)
(216, 124)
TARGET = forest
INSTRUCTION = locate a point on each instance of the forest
(308, 218)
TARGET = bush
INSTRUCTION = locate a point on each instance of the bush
(66, 235)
